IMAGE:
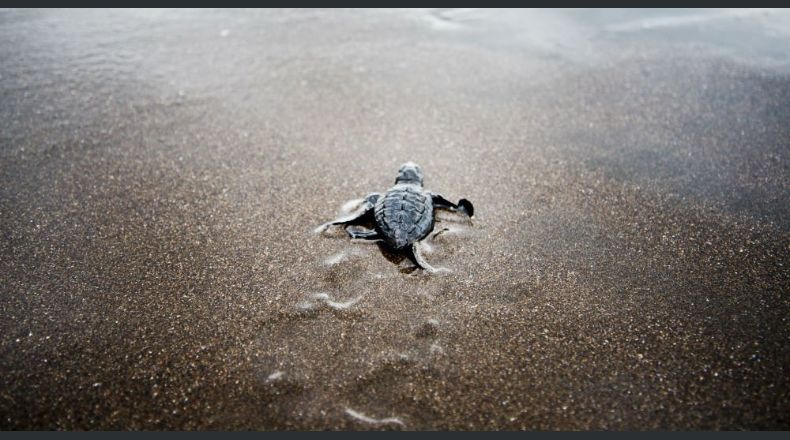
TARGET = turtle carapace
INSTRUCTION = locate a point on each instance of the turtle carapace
(404, 215)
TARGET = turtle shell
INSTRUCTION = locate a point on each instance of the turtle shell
(404, 215)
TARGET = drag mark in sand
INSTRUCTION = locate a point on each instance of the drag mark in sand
(436, 349)
(335, 304)
(342, 256)
(327, 300)
(335, 259)
(363, 418)
(275, 376)
(351, 206)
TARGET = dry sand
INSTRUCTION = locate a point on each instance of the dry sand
(161, 173)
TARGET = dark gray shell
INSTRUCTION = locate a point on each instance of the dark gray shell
(404, 215)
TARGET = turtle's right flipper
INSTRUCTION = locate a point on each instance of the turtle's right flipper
(463, 205)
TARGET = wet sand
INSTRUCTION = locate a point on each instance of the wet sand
(161, 174)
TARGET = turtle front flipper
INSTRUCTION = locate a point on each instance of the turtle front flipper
(364, 209)
(419, 260)
(464, 206)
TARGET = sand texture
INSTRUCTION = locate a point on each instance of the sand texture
(161, 174)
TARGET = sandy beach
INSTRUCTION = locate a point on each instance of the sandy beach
(162, 172)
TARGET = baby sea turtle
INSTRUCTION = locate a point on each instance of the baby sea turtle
(403, 216)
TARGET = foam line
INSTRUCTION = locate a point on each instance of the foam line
(685, 20)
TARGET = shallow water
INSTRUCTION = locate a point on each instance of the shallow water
(163, 171)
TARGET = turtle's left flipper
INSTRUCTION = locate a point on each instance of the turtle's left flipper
(463, 205)
(365, 209)
(420, 260)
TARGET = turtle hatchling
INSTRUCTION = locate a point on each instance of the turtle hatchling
(403, 216)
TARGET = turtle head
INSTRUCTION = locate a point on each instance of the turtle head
(409, 172)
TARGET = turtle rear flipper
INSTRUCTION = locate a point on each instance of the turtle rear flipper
(419, 260)
(363, 235)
